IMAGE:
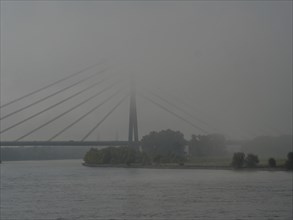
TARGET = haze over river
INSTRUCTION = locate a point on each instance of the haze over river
(67, 190)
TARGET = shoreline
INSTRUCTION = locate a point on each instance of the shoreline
(186, 167)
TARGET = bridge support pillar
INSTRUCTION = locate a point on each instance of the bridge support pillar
(133, 129)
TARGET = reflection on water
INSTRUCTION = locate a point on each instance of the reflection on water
(67, 190)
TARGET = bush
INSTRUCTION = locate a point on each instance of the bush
(115, 155)
(157, 159)
(272, 163)
(164, 145)
(91, 156)
(251, 160)
(238, 160)
(289, 162)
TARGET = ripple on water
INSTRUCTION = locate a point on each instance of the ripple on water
(66, 190)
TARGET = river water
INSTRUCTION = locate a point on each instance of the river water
(66, 190)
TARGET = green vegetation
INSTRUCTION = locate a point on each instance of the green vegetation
(280, 162)
(289, 162)
(207, 145)
(116, 155)
(272, 163)
(167, 148)
(163, 147)
(251, 160)
(209, 161)
(238, 160)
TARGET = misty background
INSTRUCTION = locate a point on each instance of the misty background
(229, 64)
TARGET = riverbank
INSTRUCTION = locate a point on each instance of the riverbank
(186, 166)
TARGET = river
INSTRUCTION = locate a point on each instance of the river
(66, 190)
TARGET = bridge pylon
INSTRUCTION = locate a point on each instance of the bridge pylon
(133, 129)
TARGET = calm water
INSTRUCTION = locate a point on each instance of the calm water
(66, 190)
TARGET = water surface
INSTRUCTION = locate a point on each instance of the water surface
(66, 190)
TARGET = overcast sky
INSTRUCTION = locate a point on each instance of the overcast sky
(227, 64)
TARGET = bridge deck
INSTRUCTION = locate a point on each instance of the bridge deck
(67, 143)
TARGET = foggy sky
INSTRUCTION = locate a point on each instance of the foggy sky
(227, 63)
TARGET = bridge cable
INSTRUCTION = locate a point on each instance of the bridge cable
(178, 99)
(62, 114)
(174, 114)
(180, 108)
(241, 132)
(52, 106)
(49, 85)
(53, 94)
(187, 104)
(105, 117)
(62, 101)
(83, 116)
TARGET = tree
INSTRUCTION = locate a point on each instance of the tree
(145, 159)
(238, 160)
(157, 159)
(166, 143)
(106, 155)
(289, 162)
(251, 160)
(90, 156)
(130, 157)
(272, 163)
(207, 145)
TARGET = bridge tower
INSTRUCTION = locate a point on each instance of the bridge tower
(133, 130)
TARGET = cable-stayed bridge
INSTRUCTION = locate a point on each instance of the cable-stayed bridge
(95, 83)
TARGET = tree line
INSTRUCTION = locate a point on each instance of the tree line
(240, 160)
(166, 146)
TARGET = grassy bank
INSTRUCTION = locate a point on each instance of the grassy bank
(225, 161)
(197, 163)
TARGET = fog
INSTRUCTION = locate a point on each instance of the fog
(227, 64)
